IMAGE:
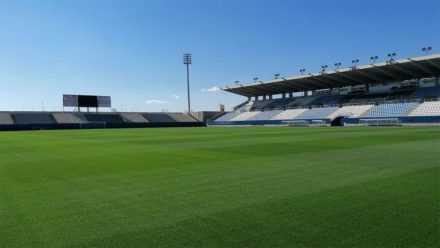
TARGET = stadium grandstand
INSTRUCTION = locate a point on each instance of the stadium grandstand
(22, 120)
(97, 116)
(406, 90)
(400, 92)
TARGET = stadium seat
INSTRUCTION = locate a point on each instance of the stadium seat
(6, 118)
(288, 114)
(301, 101)
(279, 103)
(390, 109)
(33, 118)
(158, 117)
(317, 113)
(227, 116)
(261, 104)
(245, 116)
(265, 115)
(180, 117)
(108, 118)
(427, 109)
(64, 117)
(351, 111)
(133, 118)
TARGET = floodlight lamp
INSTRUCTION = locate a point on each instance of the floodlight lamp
(187, 60)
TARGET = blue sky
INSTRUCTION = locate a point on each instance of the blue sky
(132, 50)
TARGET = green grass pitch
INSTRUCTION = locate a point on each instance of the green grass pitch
(221, 187)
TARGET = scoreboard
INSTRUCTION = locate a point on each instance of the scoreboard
(87, 101)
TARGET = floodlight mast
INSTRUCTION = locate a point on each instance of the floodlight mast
(187, 60)
(426, 50)
(374, 58)
(354, 62)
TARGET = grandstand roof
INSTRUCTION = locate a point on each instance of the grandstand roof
(381, 72)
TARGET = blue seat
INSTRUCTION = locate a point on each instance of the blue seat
(227, 116)
(391, 109)
(265, 115)
(317, 113)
